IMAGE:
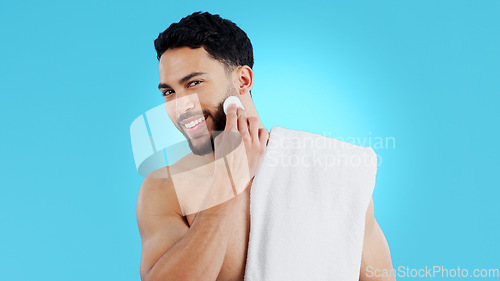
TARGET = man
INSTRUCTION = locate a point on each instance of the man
(194, 216)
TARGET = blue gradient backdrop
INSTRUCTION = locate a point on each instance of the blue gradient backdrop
(74, 75)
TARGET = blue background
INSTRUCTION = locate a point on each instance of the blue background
(74, 75)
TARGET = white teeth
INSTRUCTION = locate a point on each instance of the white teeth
(194, 123)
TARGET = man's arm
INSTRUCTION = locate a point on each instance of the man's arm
(376, 261)
(170, 249)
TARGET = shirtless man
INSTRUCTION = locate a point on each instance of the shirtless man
(193, 224)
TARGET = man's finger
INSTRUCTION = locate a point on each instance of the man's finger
(263, 135)
(242, 125)
(253, 124)
(231, 122)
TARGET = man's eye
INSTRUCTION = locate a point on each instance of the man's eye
(194, 83)
(167, 93)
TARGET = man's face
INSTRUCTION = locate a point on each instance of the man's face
(195, 87)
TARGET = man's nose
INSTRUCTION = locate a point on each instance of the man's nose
(185, 103)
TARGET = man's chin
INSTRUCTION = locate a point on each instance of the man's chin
(201, 145)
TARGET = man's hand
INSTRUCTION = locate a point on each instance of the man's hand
(238, 153)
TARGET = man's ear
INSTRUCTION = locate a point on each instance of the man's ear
(244, 79)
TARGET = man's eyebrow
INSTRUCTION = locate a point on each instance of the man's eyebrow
(183, 80)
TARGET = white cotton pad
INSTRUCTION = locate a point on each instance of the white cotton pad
(232, 100)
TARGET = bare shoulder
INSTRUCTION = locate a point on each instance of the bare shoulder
(158, 207)
(376, 256)
(157, 195)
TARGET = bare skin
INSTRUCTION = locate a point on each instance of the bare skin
(170, 228)
(191, 254)
(181, 244)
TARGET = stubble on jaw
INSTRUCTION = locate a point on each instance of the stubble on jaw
(218, 124)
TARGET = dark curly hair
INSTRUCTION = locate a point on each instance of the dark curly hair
(221, 38)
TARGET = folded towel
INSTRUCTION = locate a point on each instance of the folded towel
(307, 208)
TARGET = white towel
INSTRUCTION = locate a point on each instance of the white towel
(307, 208)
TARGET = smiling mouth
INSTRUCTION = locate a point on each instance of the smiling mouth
(194, 124)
